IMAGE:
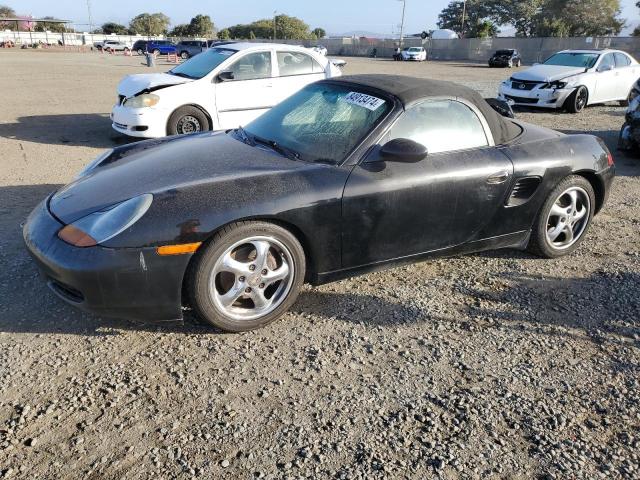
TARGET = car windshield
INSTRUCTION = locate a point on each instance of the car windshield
(322, 123)
(504, 52)
(200, 65)
(414, 49)
(569, 59)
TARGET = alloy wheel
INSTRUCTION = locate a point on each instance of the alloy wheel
(251, 278)
(581, 99)
(568, 218)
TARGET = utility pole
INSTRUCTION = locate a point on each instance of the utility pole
(275, 13)
(404, 5)
(464, 11)
(90, 20)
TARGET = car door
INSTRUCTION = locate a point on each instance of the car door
(295, 70)
(249, 93)
(627, 74)
(397, 209)
(607, 79)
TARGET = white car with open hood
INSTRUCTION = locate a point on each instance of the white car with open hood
(573, 79)
(223, 87)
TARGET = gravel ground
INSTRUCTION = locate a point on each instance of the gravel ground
(497, 365)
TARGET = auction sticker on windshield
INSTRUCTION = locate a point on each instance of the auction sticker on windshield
(364, 100)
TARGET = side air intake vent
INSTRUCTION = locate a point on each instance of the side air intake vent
(523, 190)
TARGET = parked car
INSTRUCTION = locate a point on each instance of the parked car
(415, 54)
(113, 45)
(190, 48)
(161, 47)
(321, 49)
(505, 58)
(140, 46)
(630, 132)
(348, 176)
(573, 79)
(221, 88)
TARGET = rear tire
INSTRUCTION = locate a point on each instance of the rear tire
(186, 120)
(139, 51)
(184, 55)
(229, 273)
(576, 102)
(550, 236)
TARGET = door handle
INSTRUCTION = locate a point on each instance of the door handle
(497, 178)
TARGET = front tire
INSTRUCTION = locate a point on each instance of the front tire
(247, 276)
(156, 52)
(139, 51)
(564, 219)
(184, 55)
(576, 102)
(187, 120)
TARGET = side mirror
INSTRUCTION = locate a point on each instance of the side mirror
(226, 76)
(605, 68)
(403, 150)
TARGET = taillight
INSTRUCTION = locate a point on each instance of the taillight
(609, 159)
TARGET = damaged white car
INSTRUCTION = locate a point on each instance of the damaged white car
(630, 132)
(573, 79)
(222, 88)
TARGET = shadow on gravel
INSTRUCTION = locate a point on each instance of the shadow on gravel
(605, 302)
(88, 130)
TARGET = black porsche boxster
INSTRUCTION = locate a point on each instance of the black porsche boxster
(347, 176)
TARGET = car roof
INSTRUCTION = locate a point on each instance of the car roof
(251, 45)
(596, 51)
(410, 89)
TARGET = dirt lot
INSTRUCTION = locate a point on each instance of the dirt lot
(499, 365)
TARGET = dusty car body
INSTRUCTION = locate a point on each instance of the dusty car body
(348, 176)
(506, 58)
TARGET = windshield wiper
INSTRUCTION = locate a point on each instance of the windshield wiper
(245, 136)
(276, 147)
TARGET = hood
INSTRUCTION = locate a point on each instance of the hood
(547, 73)
(133, 84)
(158, 167)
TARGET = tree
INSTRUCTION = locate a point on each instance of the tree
(111, 27)
(224, 34)
(477, 18)
(52, 27)
(319, 32)
(181, 30)
(201, 26)
(150, 24)
(286, 27)
(7, 12)
(584, 18)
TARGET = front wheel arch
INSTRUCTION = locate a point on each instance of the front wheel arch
(194, 105)
(293, 229)
(569, 103)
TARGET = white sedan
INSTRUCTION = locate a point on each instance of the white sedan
(573, 79)
(222, 88)
(416, 54)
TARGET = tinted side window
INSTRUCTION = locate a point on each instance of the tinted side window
(296, 63)
(252, 66)
(441, 126)
(621, 60)
(607, 60)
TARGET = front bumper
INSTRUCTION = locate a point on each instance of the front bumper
(537, 97)
(131, 283)
(139, 122)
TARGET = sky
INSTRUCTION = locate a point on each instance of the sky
(335, 16)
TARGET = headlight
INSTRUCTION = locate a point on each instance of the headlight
(93, 163)
(101, 226)
(141, 101)
(556, 85)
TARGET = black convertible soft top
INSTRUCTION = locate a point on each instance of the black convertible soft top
(410, 89)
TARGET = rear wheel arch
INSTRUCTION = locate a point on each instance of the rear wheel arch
(597, 185)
